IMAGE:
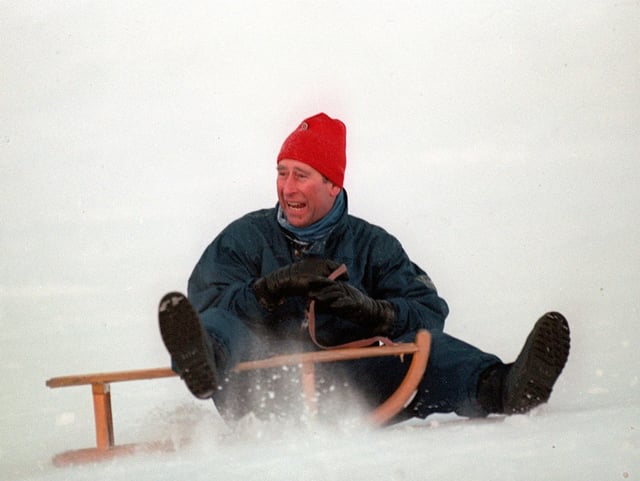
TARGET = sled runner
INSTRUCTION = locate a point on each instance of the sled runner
(106, 447)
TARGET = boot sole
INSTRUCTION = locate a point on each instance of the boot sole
(539, 365)
(185, 340)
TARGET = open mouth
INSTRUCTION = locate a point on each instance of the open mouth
(296, 205)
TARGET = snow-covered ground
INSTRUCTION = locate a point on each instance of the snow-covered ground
(499, 141)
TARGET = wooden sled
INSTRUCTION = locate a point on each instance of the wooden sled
(100, 389)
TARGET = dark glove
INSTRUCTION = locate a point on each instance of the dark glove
(291, 280)
(346, 301)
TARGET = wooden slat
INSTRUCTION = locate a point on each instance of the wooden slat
(308, 376)
(92, 455)
(275, 361)
(102, 415)
(108, 377)
(328, 356)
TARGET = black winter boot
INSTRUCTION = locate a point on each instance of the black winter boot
(519, 387)
(189, 344)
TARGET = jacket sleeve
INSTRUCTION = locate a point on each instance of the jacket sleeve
(223, 276)
(407, 287)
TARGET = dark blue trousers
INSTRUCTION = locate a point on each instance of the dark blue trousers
(449, 384)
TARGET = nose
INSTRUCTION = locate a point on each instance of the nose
(288, 184)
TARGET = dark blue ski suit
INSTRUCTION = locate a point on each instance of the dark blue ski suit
(240, 329)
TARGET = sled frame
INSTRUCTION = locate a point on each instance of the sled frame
(100, 383)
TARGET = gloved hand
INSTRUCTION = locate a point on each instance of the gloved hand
(291, 280)
(346, 301)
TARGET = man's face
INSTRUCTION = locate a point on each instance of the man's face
(305, 196)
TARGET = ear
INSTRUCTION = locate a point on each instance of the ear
(334, 190)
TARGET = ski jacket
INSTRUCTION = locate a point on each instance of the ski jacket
(256, 244)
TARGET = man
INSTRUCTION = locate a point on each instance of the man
(248, 294)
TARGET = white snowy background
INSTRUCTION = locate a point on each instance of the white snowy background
(499, 141)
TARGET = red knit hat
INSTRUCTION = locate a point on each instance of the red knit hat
(319, 142)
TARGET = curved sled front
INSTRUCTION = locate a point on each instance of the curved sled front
(100, 387)
(407, 389)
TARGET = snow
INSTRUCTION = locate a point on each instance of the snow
(498, 141)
